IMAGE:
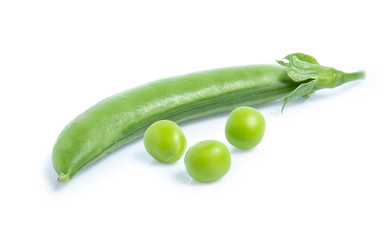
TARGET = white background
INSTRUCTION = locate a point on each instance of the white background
(317, 174)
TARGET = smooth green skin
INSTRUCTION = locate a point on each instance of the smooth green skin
(165, 141)
(245, 127)
(207, 161)
(123, 117)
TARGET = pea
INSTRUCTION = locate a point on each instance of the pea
(207, 161)
(119, 119)
(165, 141)
(245, 127)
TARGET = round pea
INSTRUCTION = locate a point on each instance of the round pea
(245, 127)
(207, 161)
(165, 141)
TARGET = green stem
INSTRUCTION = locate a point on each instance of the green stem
(304, 69)
(348, 77)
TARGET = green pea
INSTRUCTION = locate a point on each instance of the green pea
(207, 161)
(119, 119)
(245, 127)
(165, 141)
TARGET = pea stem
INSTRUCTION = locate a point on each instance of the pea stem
(348, 77)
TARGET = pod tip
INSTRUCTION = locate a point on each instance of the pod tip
(63, 178)
(363, 74)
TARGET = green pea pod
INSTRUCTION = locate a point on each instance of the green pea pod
(123, 117)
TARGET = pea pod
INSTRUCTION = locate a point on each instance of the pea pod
(123, 117)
